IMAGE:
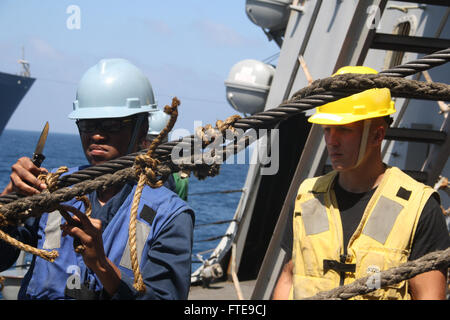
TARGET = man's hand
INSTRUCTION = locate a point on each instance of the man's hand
(23, 179)
(89, 232)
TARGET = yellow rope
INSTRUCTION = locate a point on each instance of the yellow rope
(51, 178)
(47, 255)
(87, 205)
(208, 134)
(138, 281)
(227, 124)
(145, 166)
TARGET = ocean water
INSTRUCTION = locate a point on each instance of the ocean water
(65, 149)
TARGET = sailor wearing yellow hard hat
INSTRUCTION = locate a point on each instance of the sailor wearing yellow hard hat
(363, 217)
(361, 107)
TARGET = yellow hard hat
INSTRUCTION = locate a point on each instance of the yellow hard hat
(368, 104)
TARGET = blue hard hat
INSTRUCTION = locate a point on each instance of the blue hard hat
(113, 88)
(157, 121)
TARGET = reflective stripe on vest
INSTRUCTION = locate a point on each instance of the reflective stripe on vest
(53, 237)
(314, 215)
(142, 232)
(52, 231)
(381, 241)
(382, 219)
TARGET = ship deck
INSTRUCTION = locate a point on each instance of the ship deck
(222, 291)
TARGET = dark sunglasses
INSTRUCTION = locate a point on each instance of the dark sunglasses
(104, 125)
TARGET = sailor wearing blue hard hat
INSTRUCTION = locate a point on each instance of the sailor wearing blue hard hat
(113, 102)
(119, 94)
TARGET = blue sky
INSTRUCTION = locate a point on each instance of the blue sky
(186, 49)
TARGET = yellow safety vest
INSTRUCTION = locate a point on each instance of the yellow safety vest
(381, 241)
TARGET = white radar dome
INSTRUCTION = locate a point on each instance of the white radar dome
(248, 84)
(268, 14)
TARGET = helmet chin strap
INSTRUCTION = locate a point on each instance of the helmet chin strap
(137, 127)
(364, 139)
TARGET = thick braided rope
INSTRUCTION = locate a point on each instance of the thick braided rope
(424, 63)
(353, 83)
(147, 176)
(259, 120)
(266, 119)
(44, 201)
(437, 260)
(14, 213)
(15, 209)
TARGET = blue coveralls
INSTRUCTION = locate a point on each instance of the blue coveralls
(164, 245)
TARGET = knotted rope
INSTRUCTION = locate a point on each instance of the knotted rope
(207, 134)
(437, 260)
(145, 167)
(50, 180)
(47, 255)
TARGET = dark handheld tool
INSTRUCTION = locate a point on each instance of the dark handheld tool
(38, 156)
(77, 245)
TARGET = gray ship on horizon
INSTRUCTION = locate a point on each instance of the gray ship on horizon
(12, 90)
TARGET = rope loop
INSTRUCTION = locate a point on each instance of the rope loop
(147, 166)
(51, 178)
(228, 123)
(207, 134)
